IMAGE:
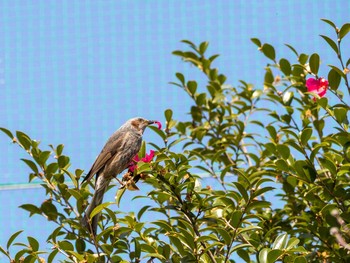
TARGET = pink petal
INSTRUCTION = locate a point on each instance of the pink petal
(312, 84)
(323, 82)
(149, 157)
(159, 124)
(136, 158)
(132, 167)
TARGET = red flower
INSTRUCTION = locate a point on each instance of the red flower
(318, 86)
(147, 159)
(159, 124)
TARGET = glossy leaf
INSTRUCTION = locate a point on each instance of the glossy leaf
(305, 135)
(268, 51)
(285, 66)
(314, 63)
(329, 22)
(334, 79)
(7, 132)
(256, 41)
(168, 115)
(12, 238)
(280, 242)
(344, 30)
(331, 43)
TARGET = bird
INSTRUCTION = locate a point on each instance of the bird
(116, 156)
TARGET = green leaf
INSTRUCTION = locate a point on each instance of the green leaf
(12, 238)
(280, 242)
(329, 23)
(43, 157)
(192, 87)
(236, 218)
(137, 249)
(24, 140)
(119, 195)
(256, 41)
(2, 250)
(269, 51)
(303, 58)
(288, 97)
(80, 245)
(63, 161)
(142, 211)
(65, 245)
(181, 78)
(263, 255)
(305, 135)
(49, 209)
(293, 49)
(203, 47)
(155, 255)
(323, 102)
(314, 63)
(331, 43)
(31, 208)
(340, 114)
(292, 243)
(274, 254)
(225, 235)
(300, 259)
(34, 244)
(52, 256)
(261, 191)
(258, 205)
(242, 190)
(73, 253)
(341, 73)
(272, 131)
(31, 165)
(177, 243)
(334, 79)
(344, 30)
(157, 131)
(269, 79)
(201, 99)
(346, 149)
(59, 149)
(240, 246)
(99, 208)
(7, 132)
(168, 115)
(283, 150)
(285, 66)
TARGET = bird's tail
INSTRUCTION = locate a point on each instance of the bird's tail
(100, 189)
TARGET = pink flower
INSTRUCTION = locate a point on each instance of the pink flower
(318, 86)
(159, 124)
(147, 159)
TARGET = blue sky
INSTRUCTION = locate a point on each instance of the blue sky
(72, 72)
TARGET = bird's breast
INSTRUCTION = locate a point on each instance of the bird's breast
(120, 161)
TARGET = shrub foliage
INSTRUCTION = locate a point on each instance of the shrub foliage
(277, 141)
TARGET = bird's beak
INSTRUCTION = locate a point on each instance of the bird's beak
(157, 122)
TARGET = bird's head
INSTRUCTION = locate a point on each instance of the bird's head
(140, 124)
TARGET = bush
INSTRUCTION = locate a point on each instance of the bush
(291, 135)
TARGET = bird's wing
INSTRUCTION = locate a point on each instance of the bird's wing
(112, 146)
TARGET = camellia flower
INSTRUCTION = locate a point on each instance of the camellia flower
(147, 159)
(318, 86)
(159, 124)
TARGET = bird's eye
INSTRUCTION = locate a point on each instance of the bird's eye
(140, 119)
